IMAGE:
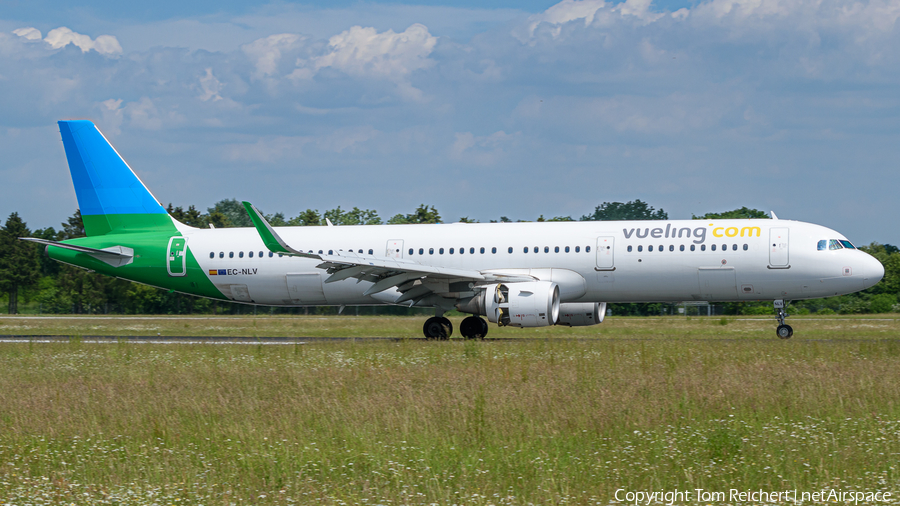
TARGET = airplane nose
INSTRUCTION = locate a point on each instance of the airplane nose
(872, 271)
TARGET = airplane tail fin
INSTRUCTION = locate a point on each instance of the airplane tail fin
(111, 197)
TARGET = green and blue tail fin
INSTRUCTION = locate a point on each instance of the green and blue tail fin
(111, 197)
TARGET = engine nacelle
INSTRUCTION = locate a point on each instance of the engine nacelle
(581, 314)
(531, 304)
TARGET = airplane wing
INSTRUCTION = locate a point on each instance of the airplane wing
(414, 280)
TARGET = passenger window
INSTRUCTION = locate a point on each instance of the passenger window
(535, 249)
(650, 248)
(410, 251)
(745, 247)
(330, 252)
(494, 250)
(451, 251)
(681, 248)
(546, 249)
(273, 254)
(671, 247)
(231, 254)
(280, 255)
(482, 250)
(251, 254)
(471, 251)
(431, 251)
(660, 248)
(261, 254)
(421, 251)
(556, 249)
(629, 248)
(703, 247)
(360, 252)
(221, 254)
(526, 249)
(713, 247)
(241, 254)
(734, 247)
(212, 255)
(724, 247)
(822, 245)
(510, 249)
(462, 251)
(567, 249)
(847, 244)
(371, 252)
(693, 247)
(587, 249)
(640, 248)
(441, 251)
(577, 249)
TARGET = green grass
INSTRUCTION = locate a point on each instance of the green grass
(653, 404)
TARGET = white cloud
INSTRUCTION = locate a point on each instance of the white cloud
(266, 52)
(103, 44)
(210, 87)
(363, 52)
(28, 33)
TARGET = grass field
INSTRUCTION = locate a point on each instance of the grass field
(639, 404)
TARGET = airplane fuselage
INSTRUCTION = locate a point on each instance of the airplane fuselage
(615, 261)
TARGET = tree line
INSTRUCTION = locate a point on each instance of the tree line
(32, 283)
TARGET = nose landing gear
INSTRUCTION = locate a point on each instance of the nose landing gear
(783, 330)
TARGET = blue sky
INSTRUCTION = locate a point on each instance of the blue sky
(482, 109)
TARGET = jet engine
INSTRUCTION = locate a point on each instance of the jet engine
(529, 304)
(581, 314)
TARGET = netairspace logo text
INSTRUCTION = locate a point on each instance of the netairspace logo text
(672, 497)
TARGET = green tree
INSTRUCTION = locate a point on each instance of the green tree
(72, 228)
(422, 214)
(19, 266)
(307, 218)
(356, 216)
(192, 217)
(234, 212)
(632, 210)
(744, 212)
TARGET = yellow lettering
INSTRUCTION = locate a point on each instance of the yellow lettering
(750, 231)
(718, 231)
(731, 231)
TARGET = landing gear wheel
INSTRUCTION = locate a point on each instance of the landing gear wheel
(784, 331)
(437, 327)
(473, 327)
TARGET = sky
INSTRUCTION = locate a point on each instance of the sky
(481, 109)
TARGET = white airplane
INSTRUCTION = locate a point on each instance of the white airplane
(515, 274)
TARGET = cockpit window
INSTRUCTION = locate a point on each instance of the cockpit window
(834, 244)
(823, 245)
(847, 244)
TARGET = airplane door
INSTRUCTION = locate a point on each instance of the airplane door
(605, 252)
(394, 248)
(717, 283)
(176, 255)
(778, 246)
(305, 288)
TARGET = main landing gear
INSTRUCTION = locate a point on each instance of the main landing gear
(437, 327)
(783, 331)
(473, 327)
(440, 328)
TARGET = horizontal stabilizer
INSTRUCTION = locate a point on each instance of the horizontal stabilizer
(115, 256)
